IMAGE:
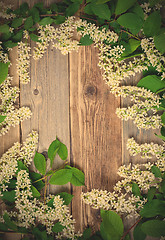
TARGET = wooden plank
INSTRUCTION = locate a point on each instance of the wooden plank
(95, 131)
(48, 97)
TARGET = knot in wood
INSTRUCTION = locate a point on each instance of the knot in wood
(90, 91)
(36, 92)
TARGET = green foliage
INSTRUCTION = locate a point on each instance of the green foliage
(45, 21)
(40, 163)
(123, 6)
(87, 233)
(101, 11)
(137, 9)
(34, 12)
(86, 40)
(111, 227)
(34, 37)
(130, 47)
(35, 192)
(66, 197)
(154, 228)
(61, 177)
(152, 83)
(17, 22)
(131, 21)
(28, 23)
(9, 196)
(151, 193)
(35, 177)
(156, 171)
(2, 118)
(3, 71)
(78, 178)
(4, 28)
(3, 227)
(21, 166)
(136, 189)
(17, 37)
(10, 224)
(72, 9)
(57, 227)
(152, 24)
(138, 233)
(153, 208)
(159, 41)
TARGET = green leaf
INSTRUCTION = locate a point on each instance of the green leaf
(151, 193)
(39, 5)
(17, 22)
(9, 196)
(152, 24)
(127, 237)
(59, 19)
(9, 223)
(50, 203)
(62, 151)
(159, 41)
(35, 177)
(3, 71)
(154, 228)
(87, 233)
(53, 148)
(152, 82)
(10, 44)
(137, 9)
(153, 2)
(72, 9)
(61, 177)
(102, 1)
(4, 28)
(35, 192)
(18, 36)
(123, 6)
(160, 136)
(86, 40)
(45, 21)
(111, 225)
(66, 197)
(58, 228)
(153, 208)
(28, 23)
(12, 184)
(21, 166)
(101, 10)
(24, 9)
(78, 177)
(88, 9)
(156, 171)
(131, 21)
(136, 189)
(138, 234)
(34, 37)
(130, 47)
(35, 14)
(2, 118)
(40, 163)
(3, 227)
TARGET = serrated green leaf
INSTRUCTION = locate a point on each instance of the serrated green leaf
(86, 40)
(62, 151)
(72, 9)
(78, 177)
(152, 82)
(35, 192)
(123, 6)
(45, 21)
(3, 71)
(28, 23)
(136, 189)
(156, 171)
(4, 28)
(154, 228)
(17, 22)
(40, 163)
(131, 21)
(58, 228)
(61, 177)
(159, 41)
(111, 226)
(2, 118)
(152, 24)
(101, 10)
(9, 223)
(153, 208)
(138, 234)
(66, 197)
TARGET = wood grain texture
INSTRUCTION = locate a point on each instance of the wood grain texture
(95, 131)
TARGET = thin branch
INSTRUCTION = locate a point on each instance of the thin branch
(125, 234)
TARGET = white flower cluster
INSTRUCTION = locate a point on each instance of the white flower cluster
(3, 9)
(153, 56)
(121, 199)
(3, 56)
(23, 62)
(8, 161)
(30, 210)
(143, 112)
(8, 96)
(62, 38)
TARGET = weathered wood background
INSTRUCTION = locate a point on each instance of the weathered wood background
(68, 98)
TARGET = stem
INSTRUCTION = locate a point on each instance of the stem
(125, 234)
(161, 90)
(131, 34)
